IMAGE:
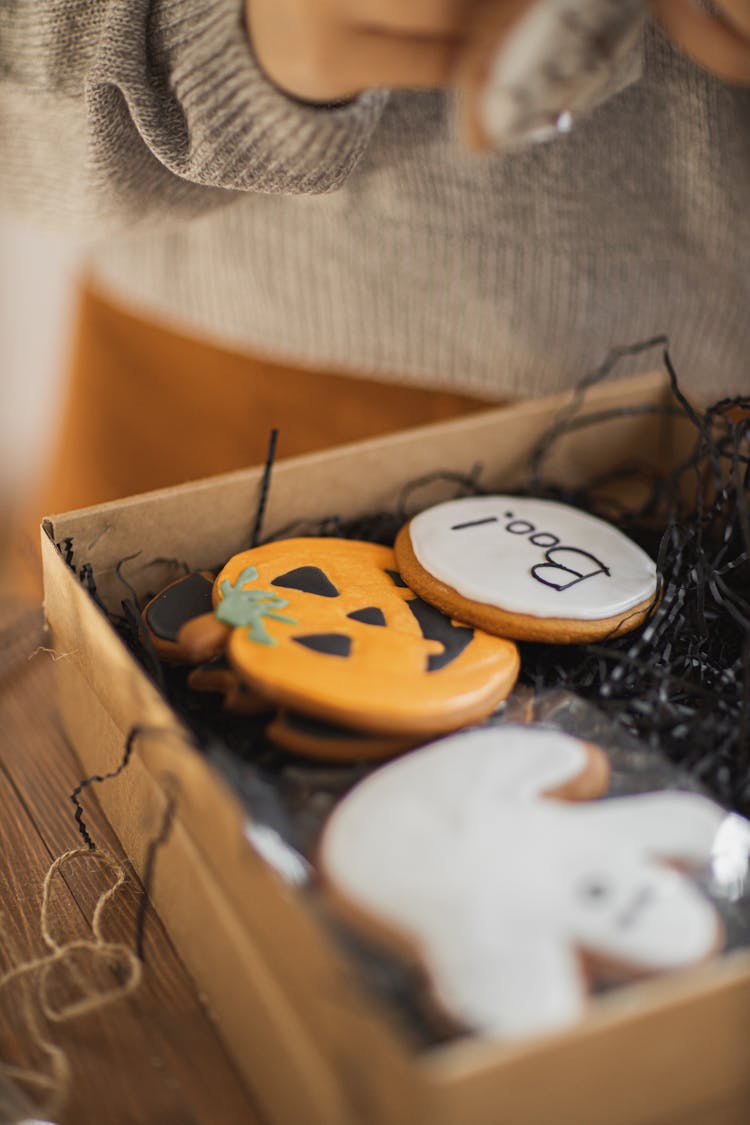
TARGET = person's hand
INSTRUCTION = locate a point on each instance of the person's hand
(330, 50)
(720, 43)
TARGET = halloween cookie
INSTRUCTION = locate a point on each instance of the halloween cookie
(179, 602)
(316, 738)
(216, 677)
(507, 895)
(328, 627)
(533, 570)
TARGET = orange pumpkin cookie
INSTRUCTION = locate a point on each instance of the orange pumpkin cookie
(316, 738)
(166, 614)
(217, 678)
(328, 627)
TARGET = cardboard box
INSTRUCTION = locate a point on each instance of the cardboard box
(314, 1042)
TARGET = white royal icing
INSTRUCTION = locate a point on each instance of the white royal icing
(456, 846)
(532, 557)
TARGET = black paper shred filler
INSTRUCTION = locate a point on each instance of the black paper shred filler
(681, 683)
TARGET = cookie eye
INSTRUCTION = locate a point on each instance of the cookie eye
(309, 580)
(594, 890)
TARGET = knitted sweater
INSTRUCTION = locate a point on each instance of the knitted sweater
(365, 237)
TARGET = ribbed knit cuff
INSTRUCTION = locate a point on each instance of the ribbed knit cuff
(210, 115)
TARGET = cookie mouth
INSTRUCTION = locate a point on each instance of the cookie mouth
(631, 913)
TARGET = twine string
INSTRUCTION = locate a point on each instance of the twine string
(34, 976)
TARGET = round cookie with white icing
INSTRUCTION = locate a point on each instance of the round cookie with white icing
(507, 895)
(532, 570)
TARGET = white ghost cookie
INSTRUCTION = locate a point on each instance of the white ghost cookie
(532, 570)
(503, 891)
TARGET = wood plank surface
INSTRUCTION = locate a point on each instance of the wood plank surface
(151, 1056)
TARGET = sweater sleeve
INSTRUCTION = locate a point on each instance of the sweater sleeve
(115, 112)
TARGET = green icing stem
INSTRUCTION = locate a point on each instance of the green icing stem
(247, 608)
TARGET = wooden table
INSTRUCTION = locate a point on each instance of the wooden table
(151, 1056)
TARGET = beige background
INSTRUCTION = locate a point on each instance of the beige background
(37, 272)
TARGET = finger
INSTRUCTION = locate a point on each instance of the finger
(737, 14)
(711, 42)
(413, 18)
(324, 60)
(488, 26)
(338, 66)
(401, 61)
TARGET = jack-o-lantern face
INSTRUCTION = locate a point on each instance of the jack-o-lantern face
(329, 627)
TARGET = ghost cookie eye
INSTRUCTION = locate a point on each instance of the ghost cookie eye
(594, 890)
